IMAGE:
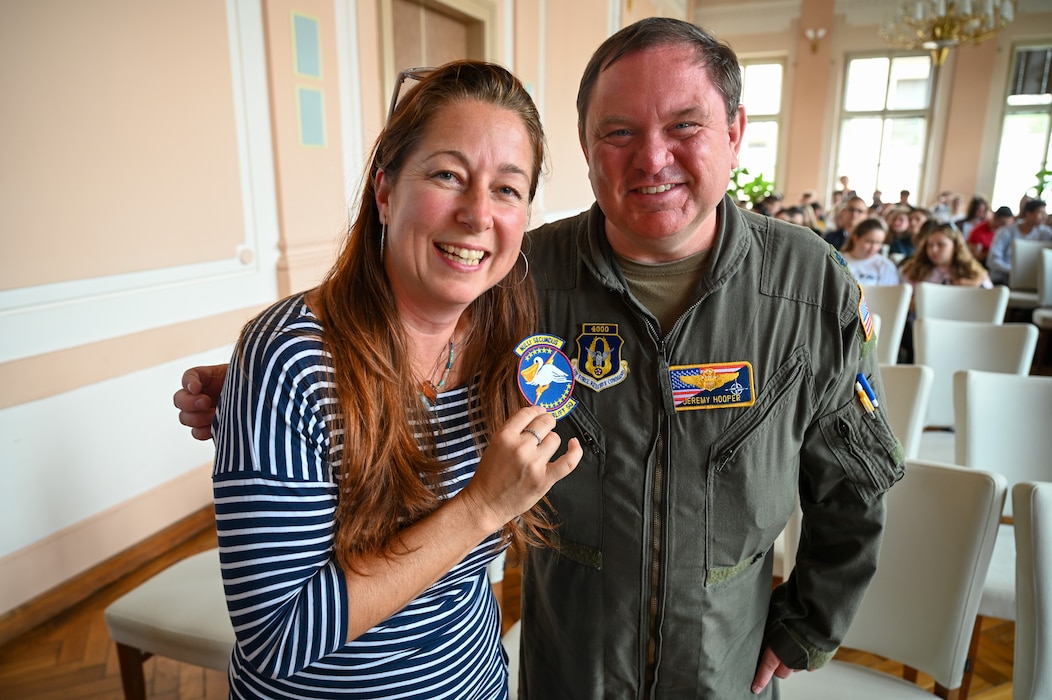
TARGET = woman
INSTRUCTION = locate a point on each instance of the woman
(899, 234)
(861, 252)
(978, 212)
(357, 501)
(944, 258)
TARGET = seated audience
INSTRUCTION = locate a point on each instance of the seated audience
(906, 247)
(848, 216)
(944, 258)
(863, 257)
(1031, 226)
(981, 237)
(794, 215)
(978, 212)
(899, 234)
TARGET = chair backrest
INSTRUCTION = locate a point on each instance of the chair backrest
(1002, 424)
(1025, 257)
(907, 389)
(951, 346)
(1032, 669)
(892, 304)
(1044, 278)
(920, 607)
(955, 303)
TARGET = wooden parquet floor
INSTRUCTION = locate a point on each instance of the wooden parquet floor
(71, 657)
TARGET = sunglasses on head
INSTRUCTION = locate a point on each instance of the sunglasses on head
(410, 74)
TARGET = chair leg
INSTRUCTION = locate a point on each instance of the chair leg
(969, 664)
(1041, 352)
(132, 679)
(947, 694)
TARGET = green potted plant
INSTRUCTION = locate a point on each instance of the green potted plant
(746, 188)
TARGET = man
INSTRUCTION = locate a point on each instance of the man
(716, 353)
(848, 216)
(1030, 227)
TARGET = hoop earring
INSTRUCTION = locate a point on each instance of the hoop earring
(525, 273)
(383, 236)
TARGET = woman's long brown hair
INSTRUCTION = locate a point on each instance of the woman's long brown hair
(963, 266)
(387, 480)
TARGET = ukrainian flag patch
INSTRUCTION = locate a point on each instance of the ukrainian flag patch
(718, 385)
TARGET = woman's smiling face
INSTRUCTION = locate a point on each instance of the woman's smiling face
(457, 211)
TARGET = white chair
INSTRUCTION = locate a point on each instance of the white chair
(1003, 425)
(892, 304)
(1032, 670)
(1042, 315)
(907, 389)
(180, 614)
(1023, 277)
(511, 646)
(952, 346)
(954, 303)
(921, 604)
(1044, 278)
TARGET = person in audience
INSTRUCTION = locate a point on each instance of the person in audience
(1030, 226)
(851, 212)
(900, 236)
(877, 205)
(862, 253)
(905, 247)
(943, 257)
(977, 213)
(941, 209)
(817, 218)
(904, 199)
(845, 187)
(794, 215)
(981, 237)
(373, 454)
(957, 210)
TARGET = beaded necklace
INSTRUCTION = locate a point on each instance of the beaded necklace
(428, 389)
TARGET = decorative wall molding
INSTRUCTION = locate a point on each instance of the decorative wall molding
(52, 317)
(765, 16)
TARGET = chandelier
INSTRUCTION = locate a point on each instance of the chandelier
(940, 25)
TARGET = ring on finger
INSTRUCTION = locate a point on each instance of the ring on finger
(534, 433)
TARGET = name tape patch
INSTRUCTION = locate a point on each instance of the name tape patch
(717, 385)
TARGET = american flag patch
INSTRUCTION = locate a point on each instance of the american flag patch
(864, 316)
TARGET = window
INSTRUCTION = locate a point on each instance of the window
(884, 124)
(762, 97)
(1025, 149)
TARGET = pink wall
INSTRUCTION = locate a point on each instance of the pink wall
(97, 97)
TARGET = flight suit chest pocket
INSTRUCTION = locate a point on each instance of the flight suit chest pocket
(754, 471)
(865, 448)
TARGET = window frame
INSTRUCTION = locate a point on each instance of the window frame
(918, 193)
(1005, 110)
(778, 118)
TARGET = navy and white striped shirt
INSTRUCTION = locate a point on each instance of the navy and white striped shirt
(275, 499)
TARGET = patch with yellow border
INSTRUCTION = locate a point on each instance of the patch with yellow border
(716, 385)
(599, 364)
